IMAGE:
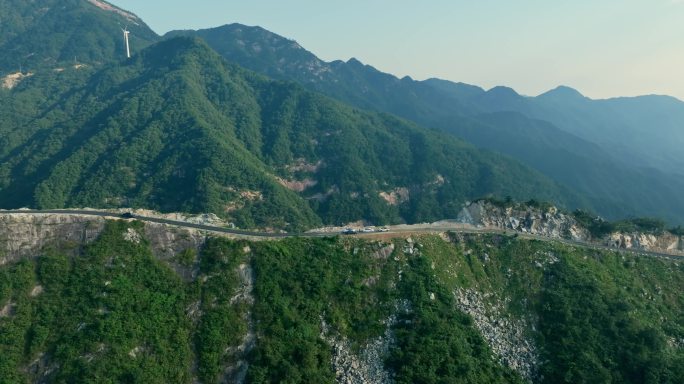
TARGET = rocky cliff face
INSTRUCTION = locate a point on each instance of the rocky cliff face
(23, 235)
(549, 223)
(27, 235)
(665, 242)
(554, 224)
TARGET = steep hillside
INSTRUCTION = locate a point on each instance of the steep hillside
(585, 149)
(51, 33)
(178, 129)
(145, 304)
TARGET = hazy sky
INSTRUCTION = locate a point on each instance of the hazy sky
(603, 48)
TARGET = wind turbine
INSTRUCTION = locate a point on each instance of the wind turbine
(126, 32)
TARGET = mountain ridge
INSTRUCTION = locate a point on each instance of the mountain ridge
(259, 152)
(50, 33)
(464, 110)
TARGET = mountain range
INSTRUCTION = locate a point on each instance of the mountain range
(250, 126)
(271, 136)
(177, 128)
(622, 154)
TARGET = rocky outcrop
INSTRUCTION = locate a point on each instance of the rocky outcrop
(552, 223)
(549, 223)
(365, 367)
(507, 337)
(12, 80)
(397, 196)
(25, 235)
(168, 242)
(297, 185)
(237, 373)
(646, 241)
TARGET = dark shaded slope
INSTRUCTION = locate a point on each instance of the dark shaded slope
(616, 190)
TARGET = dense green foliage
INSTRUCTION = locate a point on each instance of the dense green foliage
(116, 314)
(111, 311)
(301, 284)
(49, 34)
(598, 227)
(601, 316)
(591, 336)
(178, 129)
(436, 344)
(222, 321)
(96, 310)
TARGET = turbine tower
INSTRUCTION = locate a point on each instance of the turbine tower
(128, 48)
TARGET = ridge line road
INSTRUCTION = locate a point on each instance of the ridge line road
(455, 227)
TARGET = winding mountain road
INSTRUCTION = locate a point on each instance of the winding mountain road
(456, 227)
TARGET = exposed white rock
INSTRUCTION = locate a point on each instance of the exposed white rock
(135, 351)
(301, 165)
(554, 224)
(12, 80)
(8, 310)
(506, 336)
(646, 241)
(550, 223)
(132, 236)
(108, 7)
(366, 367)
(297, 185)
(37, 290)
(384, 252)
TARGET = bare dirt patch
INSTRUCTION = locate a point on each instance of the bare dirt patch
(37, 290)
(12, 80)
(297, 185)
(8, 310)
(108, 7)
(396, 197)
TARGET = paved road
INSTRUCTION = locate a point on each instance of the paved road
(463, 228)
(151, 220)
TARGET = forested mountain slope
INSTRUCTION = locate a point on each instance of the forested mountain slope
(592, 147)
(178, 129)
(52, 33)
(154, 305)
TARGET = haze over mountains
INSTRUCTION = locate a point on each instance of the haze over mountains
(89, 128)
(248, 125)
(623, 154)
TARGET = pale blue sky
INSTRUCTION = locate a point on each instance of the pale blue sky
(603, 48)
